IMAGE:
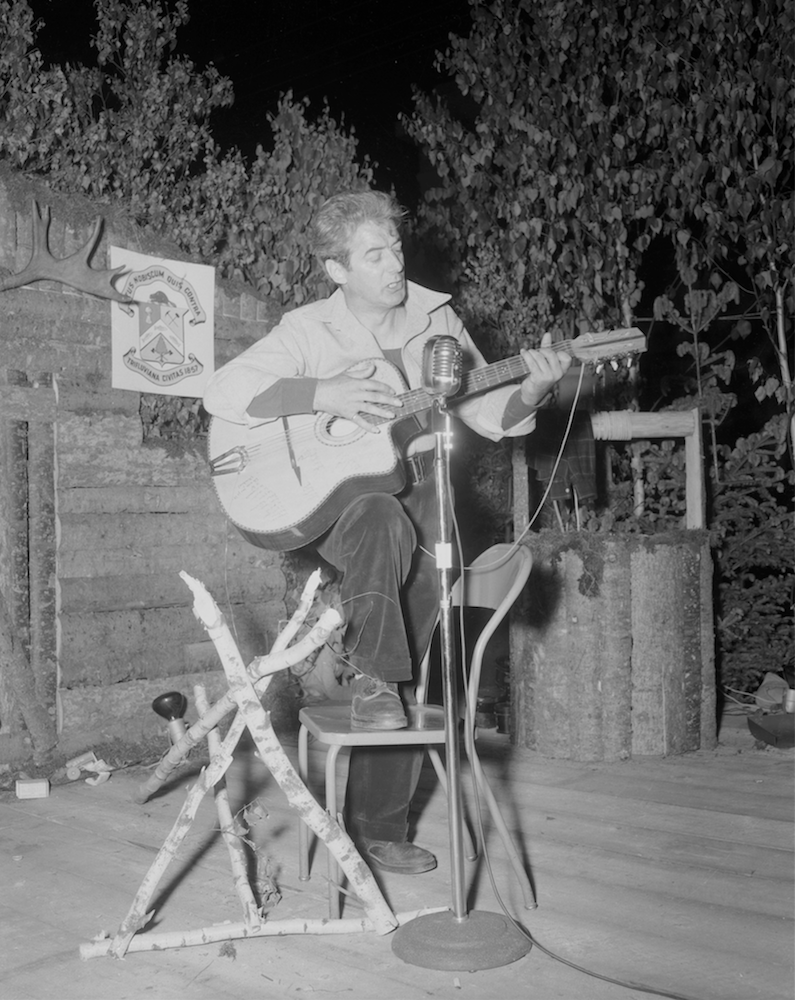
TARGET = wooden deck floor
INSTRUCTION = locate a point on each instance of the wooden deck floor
(674, 873)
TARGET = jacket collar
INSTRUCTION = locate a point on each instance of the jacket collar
(420, 303)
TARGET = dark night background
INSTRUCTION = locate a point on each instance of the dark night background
(361, 56)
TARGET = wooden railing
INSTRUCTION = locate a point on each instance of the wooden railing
(628, 425)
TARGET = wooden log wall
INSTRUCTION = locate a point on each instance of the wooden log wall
(95, 525)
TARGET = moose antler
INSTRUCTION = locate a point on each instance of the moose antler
(73, 270)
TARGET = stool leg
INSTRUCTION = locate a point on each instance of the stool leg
(334, 871)
(303, 830)
(470, 847)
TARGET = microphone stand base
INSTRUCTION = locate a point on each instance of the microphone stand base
(481, 940)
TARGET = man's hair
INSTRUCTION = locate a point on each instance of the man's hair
(332, 229)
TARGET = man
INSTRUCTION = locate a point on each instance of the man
(318, 359)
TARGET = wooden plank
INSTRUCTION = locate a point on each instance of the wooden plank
(648, 843)
(91, 393)
(152, 499)
(106, 450)
(54, 353)
(140, 531)
(229, 582)
(17, 528)
(767, 801)
(133, 560)
(726, 767)
(29, 402)
(121, 645)
(627, 916)
(42, 563)
(647, 891)
(695, 493)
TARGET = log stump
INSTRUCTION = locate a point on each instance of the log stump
(612, 648)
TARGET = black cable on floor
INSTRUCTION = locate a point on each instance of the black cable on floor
(640, 987)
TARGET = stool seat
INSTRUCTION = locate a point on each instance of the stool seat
(330, 722)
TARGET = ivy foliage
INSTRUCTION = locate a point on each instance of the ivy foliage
(251, 219)
(136, 129)
(590, 128)
(752, 530)
(595, 145)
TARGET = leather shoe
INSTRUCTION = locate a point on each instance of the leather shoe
(400, 857)
(376, 705)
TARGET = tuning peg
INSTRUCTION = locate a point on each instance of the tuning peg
(600, 367)
(615, 365)
(630, 361)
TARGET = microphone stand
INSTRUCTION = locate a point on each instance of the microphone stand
(454, 940)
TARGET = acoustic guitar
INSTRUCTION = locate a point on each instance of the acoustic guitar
(288, 480)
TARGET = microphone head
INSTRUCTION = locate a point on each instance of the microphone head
(442, 363)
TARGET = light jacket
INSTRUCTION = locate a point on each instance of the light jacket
(324, 339)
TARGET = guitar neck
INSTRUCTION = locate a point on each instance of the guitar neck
(587, 348)
(474, 382)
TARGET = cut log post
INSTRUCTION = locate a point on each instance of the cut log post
(612, 645)
(18, 669)
(571, 688)
(614, 654)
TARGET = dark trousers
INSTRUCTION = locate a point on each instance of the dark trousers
(390, 597)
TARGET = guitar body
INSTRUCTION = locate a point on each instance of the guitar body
(284, 483)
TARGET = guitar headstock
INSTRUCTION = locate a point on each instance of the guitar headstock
(595, 348)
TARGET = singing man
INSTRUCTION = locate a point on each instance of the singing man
(318, 359)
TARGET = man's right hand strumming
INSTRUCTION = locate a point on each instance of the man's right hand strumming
(354, 397)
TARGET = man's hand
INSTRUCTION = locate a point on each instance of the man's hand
(353, 397)
(546, 369)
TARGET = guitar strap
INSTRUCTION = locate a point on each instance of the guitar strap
(419, 467)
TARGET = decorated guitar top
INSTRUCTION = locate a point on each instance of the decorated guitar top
(285, 482)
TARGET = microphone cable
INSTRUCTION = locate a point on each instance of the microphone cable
(474, 759)
(471, 749)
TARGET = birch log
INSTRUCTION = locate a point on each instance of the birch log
(262, 668)
(276, 760)
(161, 940)
(229, 828)
(137, 917)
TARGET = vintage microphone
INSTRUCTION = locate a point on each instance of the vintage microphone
(453, 939)
(442, 364)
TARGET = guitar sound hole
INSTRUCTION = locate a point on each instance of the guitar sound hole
(338, 430)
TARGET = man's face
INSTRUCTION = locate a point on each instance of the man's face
(375, 276)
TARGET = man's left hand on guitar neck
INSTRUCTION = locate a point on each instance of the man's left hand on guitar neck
(546, 368)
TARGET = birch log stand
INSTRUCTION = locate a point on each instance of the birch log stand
(245, 688)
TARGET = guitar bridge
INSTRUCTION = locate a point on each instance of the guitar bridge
(232, 461)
